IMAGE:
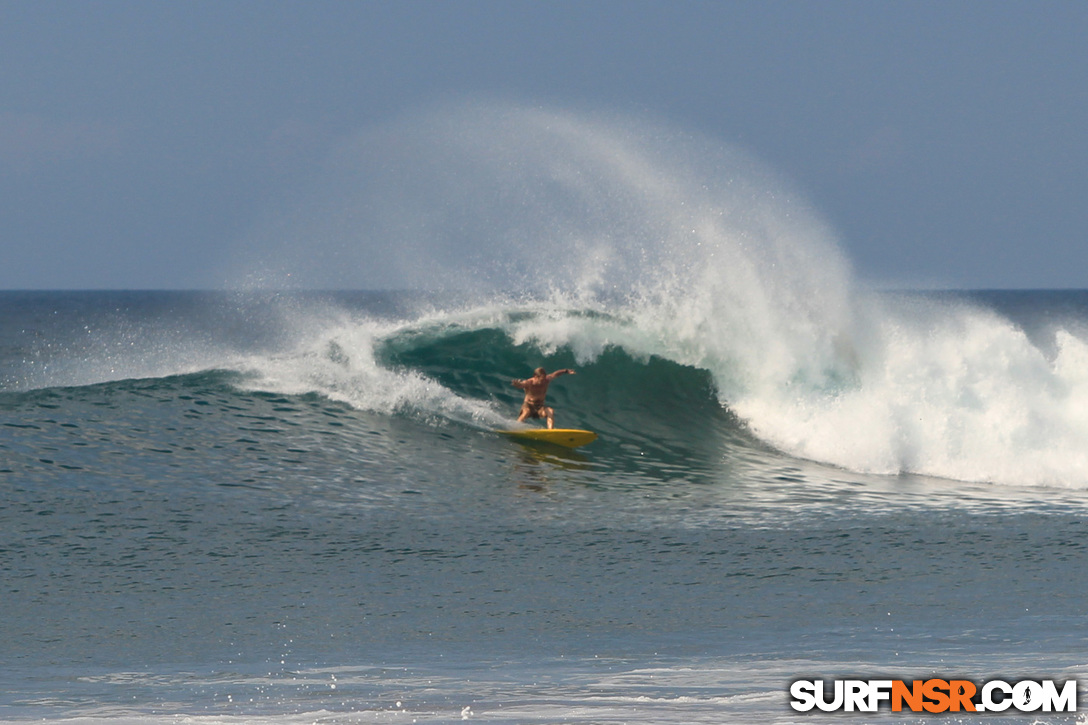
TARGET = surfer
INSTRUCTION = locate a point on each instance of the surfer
(535, 389)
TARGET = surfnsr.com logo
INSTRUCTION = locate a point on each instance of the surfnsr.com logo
(934, 695)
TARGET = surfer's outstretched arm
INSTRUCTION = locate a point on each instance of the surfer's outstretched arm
(557, 373)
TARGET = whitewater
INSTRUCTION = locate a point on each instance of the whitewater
(286, 503)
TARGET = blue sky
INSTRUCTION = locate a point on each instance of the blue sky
(945, 142)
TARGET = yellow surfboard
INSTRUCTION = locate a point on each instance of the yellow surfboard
(568, 437)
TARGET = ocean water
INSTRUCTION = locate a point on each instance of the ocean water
(289, 508)
(282, 506)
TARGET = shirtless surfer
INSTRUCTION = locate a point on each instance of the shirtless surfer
(535, 389)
